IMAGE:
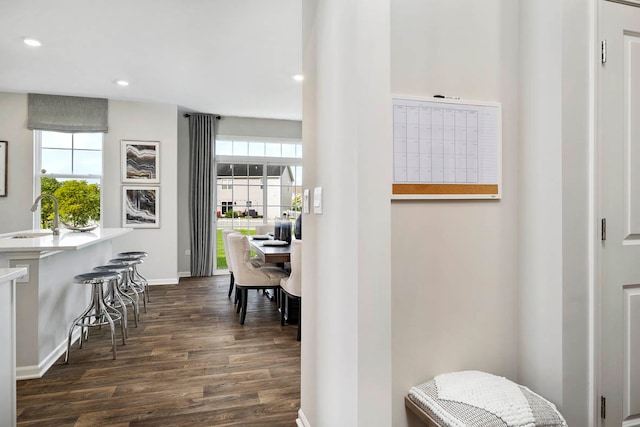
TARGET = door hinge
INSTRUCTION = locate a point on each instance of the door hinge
(603, 51)
(603, 229)
(603, 407)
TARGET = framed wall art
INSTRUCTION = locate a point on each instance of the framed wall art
(3, 168)
(140, 162)
(140, 207)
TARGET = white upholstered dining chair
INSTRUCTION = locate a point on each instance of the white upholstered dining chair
(225, 233)
(291, 287)
(264, 229)
(247, 275)
(256, 261)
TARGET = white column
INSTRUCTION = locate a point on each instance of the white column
(346, 355)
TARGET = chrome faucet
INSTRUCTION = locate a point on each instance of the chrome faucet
(56, 216)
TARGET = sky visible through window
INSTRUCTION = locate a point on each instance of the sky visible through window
(71, 154)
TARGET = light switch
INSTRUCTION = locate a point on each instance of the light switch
(305, 201)
(317, 200)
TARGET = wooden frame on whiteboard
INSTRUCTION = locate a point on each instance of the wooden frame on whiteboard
(403, 189)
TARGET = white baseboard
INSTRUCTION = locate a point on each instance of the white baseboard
(171, 281)
(28, 372)
(302, 421)
(37, 371)
(184, 274)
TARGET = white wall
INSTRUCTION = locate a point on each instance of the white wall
(227, 125)
(454, 263)
(15, 213)
(251, 126)
(127, 120)
(346, 359)
(147, 122)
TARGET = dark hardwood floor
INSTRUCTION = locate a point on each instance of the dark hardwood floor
(189, 363)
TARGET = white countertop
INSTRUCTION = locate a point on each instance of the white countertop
(7, 274)
(67, 240)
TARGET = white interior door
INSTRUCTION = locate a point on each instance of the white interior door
(619, 203)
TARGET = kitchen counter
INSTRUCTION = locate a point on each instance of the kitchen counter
(47, 300)
(8, 274)
(67, 240)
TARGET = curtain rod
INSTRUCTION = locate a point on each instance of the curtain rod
(189, 115)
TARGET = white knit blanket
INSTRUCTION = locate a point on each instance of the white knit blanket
(494, 394)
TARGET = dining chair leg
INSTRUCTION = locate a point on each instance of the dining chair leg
(283, 303)
(236, 297)
(243, 312)
(238, 300)
(231, 283)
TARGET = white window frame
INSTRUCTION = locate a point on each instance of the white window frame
(293, 141)
(37, 168)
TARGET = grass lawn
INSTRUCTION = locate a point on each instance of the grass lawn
(221, 259)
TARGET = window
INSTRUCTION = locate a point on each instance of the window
(69, 166)
(227, 146)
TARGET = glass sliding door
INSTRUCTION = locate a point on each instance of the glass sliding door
(284, 193)
(255, 188)
(239, 203)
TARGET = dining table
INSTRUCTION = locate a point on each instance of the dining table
(270, 254)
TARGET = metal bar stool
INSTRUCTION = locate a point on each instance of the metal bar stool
(114, 295)
(130, 284)
(138, 277)
(98, 313)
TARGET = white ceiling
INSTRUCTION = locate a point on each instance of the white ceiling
(229, 57)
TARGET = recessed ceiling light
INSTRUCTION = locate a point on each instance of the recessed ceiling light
(122, 83)
(298, 77)
(31, 42)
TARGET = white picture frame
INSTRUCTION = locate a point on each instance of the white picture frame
(141, 206)
(140, 162)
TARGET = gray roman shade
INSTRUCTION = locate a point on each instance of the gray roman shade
(67, 113)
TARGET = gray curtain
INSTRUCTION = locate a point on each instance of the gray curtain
(67, 113)
(201, 193)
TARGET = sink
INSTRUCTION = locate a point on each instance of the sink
(33, 235)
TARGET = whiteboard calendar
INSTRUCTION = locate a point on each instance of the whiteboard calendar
(446, 148)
